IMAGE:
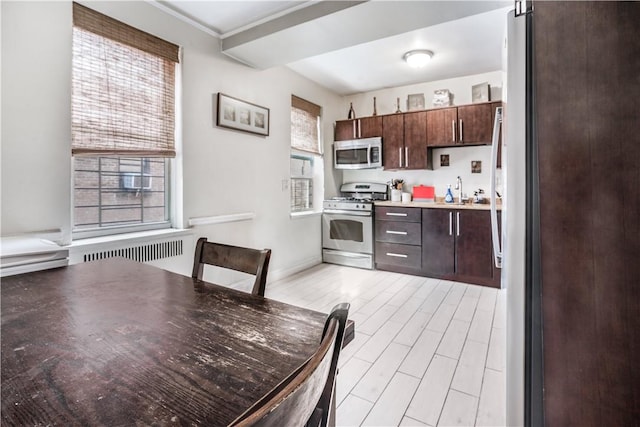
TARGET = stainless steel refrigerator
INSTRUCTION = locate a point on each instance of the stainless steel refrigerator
(510, 248)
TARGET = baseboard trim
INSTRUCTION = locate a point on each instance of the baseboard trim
(282, 273)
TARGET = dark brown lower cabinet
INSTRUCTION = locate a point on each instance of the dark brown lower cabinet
(398, 239)
(438, 244)
(452, 244)
(456, 245)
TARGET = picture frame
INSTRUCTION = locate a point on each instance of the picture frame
(234, 113)
(415, 102)
(480, 93)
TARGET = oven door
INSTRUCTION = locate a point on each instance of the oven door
(347, 231)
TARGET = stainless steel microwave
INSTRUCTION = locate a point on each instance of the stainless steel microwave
(365, 153)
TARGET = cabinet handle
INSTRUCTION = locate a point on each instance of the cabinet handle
(359, 129)
(461, 136)
(453, 131)
(404, 233)
(397, 255)
(354, 130)
(457, 223)
(406, 157)
(450, 223)
(395, 214)
(400, 156)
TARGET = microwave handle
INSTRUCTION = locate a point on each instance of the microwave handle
(369, 155)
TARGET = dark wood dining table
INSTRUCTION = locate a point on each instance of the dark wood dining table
(116, 342)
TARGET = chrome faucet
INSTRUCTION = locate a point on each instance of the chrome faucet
(459, 188)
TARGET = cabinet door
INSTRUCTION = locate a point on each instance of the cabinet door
(474, 124)
(345, 130)
(438, 256)
(441, 127)
(415, 140)
(392, 140)
(473, 244)
(369, 126)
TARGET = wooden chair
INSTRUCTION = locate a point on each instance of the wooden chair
(305, 398)
(247, 260)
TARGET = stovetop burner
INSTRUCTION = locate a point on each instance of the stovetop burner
(352, 199)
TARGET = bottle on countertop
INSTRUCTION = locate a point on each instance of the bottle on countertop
(352, 113)
(448, 198)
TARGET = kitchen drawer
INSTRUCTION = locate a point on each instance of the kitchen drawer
(398, 255)
(392, 213)
(408, 233)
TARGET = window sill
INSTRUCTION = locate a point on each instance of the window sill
(305, 214)
(129, 238)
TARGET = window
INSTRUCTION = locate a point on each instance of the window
(306, 153)
(123, 125)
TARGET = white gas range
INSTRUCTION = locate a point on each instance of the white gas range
(347, 224)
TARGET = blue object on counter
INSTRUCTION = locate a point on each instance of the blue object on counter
(448, 198)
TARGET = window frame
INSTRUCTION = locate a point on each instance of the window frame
(316, 159)
(113, 230)
(155, 46)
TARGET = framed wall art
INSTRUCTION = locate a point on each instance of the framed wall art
(480, 93)
(234, 113)
(415, 102)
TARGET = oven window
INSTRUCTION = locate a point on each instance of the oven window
(346, 229)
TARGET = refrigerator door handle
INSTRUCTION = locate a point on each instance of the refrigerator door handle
(497, 244)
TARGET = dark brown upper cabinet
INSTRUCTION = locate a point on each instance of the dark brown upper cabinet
(364, 127)
(404, 139)
(392, 141)
(463, 125)
(441, 127)
(415, 140)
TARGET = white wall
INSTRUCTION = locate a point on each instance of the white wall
(460, 157)
(36, 116)
(224, 171)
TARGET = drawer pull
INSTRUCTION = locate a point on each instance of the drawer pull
(397, 255)
(404, 233)
(395, 214)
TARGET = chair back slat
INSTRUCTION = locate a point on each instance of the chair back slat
(246, 260)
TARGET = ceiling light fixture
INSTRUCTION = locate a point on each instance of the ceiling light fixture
(418, 58)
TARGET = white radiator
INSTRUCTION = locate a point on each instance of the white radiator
(141, 253)
(141, 248)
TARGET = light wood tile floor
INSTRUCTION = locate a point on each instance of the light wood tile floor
(427, 352)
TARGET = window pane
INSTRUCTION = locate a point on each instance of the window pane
(301, 194)
(112, 191)
(305, 137)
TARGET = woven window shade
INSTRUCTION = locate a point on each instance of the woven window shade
(304, 125)
(123, 89)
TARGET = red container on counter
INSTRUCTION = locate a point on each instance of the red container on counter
(423, 193)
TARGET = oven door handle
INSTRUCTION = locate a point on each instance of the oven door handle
(345, 212)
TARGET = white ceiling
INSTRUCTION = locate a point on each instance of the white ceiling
(355, 46)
